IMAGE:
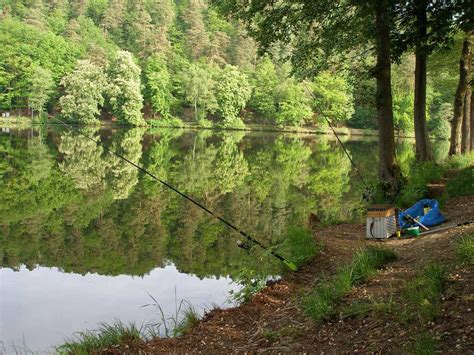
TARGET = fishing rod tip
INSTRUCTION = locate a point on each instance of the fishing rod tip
(290, 265)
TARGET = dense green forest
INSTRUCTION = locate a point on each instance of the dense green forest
(158, 60)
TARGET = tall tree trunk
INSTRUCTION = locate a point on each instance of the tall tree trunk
(456, 123)
(389, 172)
(423, 151)
(472, 121)
(466, 121)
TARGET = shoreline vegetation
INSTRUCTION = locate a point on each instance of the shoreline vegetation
(22, 121)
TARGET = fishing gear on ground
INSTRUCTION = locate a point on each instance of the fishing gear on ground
(250, 239)
(385, 221)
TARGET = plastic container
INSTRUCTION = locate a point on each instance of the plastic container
(414, 231)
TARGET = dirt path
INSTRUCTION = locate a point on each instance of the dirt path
(274, 321)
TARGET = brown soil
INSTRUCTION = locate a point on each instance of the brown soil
(275, 322)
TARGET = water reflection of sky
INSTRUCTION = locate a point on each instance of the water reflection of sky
(39, 308)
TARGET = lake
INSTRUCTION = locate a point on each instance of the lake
(87, 238)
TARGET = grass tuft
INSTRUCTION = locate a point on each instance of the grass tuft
(465, 249)
(424, 345)
(299, 245)
(190, 320)
(366, 263)
(424, 294)
(116, 334)
(320, 304)
(363, 308)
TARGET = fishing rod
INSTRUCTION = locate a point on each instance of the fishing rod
(340, 142)
(447, 227)
(249, 238)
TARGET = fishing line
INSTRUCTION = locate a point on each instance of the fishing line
(288, 263)
(340, 142)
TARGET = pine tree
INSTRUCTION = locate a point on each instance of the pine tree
(197, 39)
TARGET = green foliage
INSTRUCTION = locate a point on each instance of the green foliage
(264, 85)
(439, 125)
(418, 176)
(40, 89)
(424, 294)
(166, 122)
(462, 184)
(403, 95)
(465, 249)
(333, 96)
(251, 283)
(25, 48)
(198, 85)
(116, 334)
(83, 89)
(292, 104)
(232, 93)
(158, 86)
(460, 161)
(320, 303)
(124, 90)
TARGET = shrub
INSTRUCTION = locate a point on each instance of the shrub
(251, 282)
(420, 174)
(462, 184)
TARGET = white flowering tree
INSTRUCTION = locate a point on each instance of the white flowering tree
(83, 96)
(124, 90)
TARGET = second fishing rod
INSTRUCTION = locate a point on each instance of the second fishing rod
(247, 236)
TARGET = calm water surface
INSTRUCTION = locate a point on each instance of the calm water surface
(86, 238)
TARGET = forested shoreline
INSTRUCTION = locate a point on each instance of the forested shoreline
(156, 62)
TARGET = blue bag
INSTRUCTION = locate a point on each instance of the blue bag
(431, 218)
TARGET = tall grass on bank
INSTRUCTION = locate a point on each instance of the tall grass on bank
(184, 318)
(465, 249)
(320, 304)
(116, 334)
(424, 294)
(299, 245)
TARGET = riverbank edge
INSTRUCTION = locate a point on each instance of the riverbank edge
(13, 122)
(283, 293)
